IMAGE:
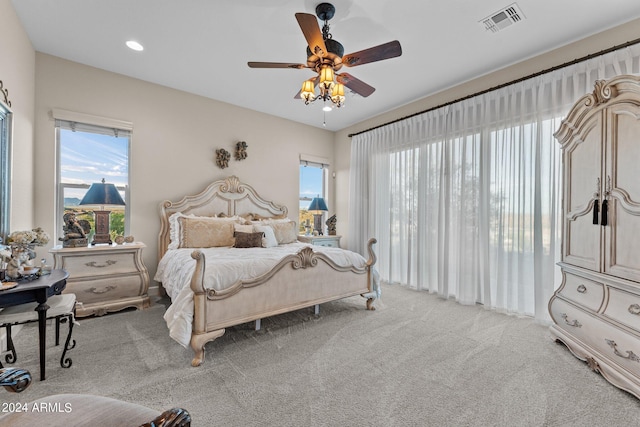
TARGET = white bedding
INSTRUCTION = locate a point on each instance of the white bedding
(224, 267)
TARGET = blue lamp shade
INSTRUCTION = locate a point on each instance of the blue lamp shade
(102, 194)
(318, 204)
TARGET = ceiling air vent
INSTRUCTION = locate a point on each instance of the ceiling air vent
(503, 18)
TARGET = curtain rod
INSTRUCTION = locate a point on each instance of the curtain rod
(500, 86)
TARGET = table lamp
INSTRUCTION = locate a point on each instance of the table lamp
(317, 207)
(101, 195)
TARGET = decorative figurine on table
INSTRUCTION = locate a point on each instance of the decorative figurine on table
(331, 225)
(75, 231)
(21, 256)
(13, 269)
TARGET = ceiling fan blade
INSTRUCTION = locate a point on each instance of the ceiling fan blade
(355, 85)
(373, 54)
(276, 65)
(311, 30)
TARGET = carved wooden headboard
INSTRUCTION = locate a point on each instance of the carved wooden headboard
(228, 196)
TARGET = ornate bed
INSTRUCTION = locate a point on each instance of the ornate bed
(305, 276)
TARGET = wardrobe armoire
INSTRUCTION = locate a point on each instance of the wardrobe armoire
(596, 309)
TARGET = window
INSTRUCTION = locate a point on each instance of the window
(89, 153)
(313, 176)
(5, 169)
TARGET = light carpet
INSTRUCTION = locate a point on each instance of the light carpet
(418, 360)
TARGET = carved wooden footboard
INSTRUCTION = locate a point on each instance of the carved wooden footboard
(300, 280)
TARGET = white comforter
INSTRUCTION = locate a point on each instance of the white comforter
(224, 266)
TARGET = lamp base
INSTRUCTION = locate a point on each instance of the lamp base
(102, 235)
(101, 239)
(317, 223)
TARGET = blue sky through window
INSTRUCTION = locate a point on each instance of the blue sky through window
(86, 158)
(310, 184)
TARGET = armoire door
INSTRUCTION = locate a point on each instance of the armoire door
(622, 181)
(583, 167)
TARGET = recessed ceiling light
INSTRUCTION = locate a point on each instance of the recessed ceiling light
(134, 45)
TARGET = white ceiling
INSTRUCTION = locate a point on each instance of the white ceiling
(203, 46)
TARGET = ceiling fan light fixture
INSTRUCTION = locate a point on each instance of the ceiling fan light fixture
(308, 91)
(337, 95)
(326, 56)
(326, 75)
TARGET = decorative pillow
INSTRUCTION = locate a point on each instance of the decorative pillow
(243, 228)
(248, 217)
(174, 229)
(275, 220)
(203, 232)
(248, 240)
(258, 217)
(269, 240)
(285, 231)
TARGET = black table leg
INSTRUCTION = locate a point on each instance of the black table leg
(42, 335)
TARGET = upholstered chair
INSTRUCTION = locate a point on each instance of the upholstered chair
(63, 410)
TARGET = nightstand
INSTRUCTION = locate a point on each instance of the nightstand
(331, 241)
(105, 278)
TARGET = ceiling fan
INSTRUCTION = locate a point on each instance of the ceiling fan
(326, 56)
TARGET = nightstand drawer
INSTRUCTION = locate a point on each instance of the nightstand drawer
(98, 264)
(106, 288)
(105, 278)
(328, 241)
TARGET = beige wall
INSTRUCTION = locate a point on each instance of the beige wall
(175, 135)
(597, 43)
(17, 71)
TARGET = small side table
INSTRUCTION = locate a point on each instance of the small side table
(39, 291)
(330, 241)
(105, 278)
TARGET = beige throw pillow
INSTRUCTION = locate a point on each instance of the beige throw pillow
(285, 231)
(205, 232)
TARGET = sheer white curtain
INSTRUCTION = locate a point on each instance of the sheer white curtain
(465, 200)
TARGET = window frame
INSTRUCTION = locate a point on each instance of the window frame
(119, 127)
(305, 162)
(6, 139)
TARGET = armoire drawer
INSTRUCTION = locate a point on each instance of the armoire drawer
(624, 307)
(597, 336)
(583, 291)
(573, 320)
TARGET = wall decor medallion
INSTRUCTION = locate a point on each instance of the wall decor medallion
(241, 150)
(222, 158)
